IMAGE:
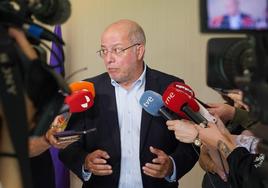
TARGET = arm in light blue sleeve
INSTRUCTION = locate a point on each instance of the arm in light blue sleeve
(172, 177)
(85, 174)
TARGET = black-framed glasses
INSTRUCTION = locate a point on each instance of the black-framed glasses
(116, 51)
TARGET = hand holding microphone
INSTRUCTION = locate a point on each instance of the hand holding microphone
(81, 99)
(184, 130)
(225, 112)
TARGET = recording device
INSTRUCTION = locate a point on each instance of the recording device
(20, 14)
(72, 134)
(50, 12)
(240, 62)
(152, 103)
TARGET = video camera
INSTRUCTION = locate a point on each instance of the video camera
(39, 80)
(20, 77)
(238, 62)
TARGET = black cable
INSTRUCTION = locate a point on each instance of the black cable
(74, 73)
(60, 62)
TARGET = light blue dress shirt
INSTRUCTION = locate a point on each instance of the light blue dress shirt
(129, 118)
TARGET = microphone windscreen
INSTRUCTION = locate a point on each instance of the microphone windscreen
(79, 101)
(151, 102)
(52, 12)
(82, 85)
(183, 87)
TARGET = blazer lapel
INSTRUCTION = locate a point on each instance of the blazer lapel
(151, 84)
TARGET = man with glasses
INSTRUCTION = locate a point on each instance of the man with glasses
(130, 147)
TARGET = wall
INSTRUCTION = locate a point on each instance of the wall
(174, 44)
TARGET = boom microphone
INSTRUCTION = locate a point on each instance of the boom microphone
(152, 103)
(178, 101)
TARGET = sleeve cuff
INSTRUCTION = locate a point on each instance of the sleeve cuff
(85, 174)
(172, 177)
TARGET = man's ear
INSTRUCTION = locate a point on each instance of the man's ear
(140, 52)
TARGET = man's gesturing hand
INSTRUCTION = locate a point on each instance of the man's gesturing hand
(96, 163)
(161, 167)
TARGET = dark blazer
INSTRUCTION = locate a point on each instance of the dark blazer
(246, 22)
(104, 117)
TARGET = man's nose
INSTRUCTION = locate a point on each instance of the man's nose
(109, 58)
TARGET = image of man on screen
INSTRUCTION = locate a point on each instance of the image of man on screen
(233, 18)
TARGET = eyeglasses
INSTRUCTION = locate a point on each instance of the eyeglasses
(116, 51)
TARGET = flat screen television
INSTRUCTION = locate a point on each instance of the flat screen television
(234, 16)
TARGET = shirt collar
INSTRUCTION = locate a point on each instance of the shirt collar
(139, 82)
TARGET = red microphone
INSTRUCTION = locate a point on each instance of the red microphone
(82, 85)
(202, 106)
(183, 104)
(79, 101)
(183, 87)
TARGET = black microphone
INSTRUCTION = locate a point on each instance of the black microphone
(51, 12)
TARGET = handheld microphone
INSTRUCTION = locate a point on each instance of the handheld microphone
(152, 103)
(82, 85)
(79, 101)
(202, 106)
(182, 103)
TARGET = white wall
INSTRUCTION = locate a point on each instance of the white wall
(174, 44)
